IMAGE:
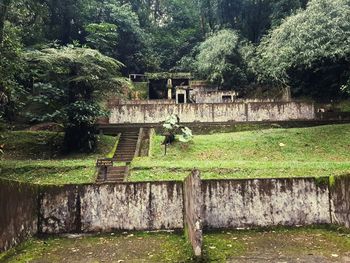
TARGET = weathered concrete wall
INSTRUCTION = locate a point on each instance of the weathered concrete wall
(216, 204)
(103, 208)
(213, 97)
(236, 112)
(132, 206)
(280, 111)
(18, 213)
(264, 202)
(194, 211)
(59, 209)
(340, 201)
(209, 112)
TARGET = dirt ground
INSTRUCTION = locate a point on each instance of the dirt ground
(283, 245)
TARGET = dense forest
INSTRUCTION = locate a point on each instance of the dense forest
(63, 56)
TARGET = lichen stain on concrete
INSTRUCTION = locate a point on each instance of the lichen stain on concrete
(132, 206)
(340, 201)
(18, 213)
(58, 210)
(217, 112)
(245, 203)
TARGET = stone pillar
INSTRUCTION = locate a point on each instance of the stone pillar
(170, 88)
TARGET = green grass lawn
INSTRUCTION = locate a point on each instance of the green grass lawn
(36, 157)
(299, 152)
(316, 151)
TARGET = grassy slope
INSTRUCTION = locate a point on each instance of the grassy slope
(315, 151)
(35, 157)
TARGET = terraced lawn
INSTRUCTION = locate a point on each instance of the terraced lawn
(298, 152)
(315, 151)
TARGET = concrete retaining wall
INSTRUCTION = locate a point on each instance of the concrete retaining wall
(59, 210)
(264, 202)
(104, 208)
(207, 112)
(214, 204)
(340, 201)
(18, 213)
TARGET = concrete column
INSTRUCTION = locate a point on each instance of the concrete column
(193, 200)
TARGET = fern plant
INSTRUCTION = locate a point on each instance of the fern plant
(71, 83)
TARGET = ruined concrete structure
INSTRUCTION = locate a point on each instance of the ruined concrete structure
(181, 88)
(200, 102)
(212, 113)
(199, 204)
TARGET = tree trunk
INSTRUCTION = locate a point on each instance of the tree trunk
(4, 4)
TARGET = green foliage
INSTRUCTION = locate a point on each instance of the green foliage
(71, 83)
(304, 49)
(219, 59)
(103, 37)
(315, 39)
(133, 48)
(31, 17)
(172, 127)
(11, 69)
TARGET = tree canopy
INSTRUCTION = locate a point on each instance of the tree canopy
(70, 83)
(219, 59)
(314, 40)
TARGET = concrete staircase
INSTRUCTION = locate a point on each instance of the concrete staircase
(127, 149)
(127, 146)
(114, 174)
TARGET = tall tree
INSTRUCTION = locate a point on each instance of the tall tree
(219, 60)
(309, 50)
(4, 5)
(72, 83)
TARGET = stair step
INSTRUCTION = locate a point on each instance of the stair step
(125, 153)
(117, 170)
(115, 178)
(129, 148)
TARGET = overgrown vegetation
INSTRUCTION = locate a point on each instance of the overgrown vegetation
(309, 51)
(59, 57)
(70, 84)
